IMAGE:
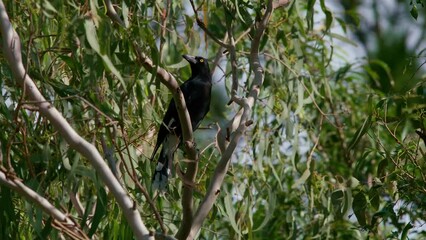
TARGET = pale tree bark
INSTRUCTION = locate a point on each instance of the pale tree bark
(191, 224)
(12, 51)
(62, 221)
(241, 120)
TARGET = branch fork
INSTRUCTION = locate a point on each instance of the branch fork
(12, 51)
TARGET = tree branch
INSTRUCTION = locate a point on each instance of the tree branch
(69, 226)
(189, 182)
(233, 54)
(113, 14)
(12, 51)
(187, 133)
(246, 104)
(170, 82)
(187, 196)
(203, 26)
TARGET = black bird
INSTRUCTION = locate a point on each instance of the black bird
(197, 93)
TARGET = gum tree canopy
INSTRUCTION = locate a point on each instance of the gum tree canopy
(316, 128)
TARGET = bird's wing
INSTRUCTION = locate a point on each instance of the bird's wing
(197, 102)
(170, 122)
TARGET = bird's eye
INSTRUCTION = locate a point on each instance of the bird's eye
(201, 60)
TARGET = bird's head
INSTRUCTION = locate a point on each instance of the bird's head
(199, 65)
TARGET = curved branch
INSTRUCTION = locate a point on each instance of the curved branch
(233, 60)
(170, 82)
(113, 14)
(167, 79)
(12, 51)
(246, 104)
(203, 26)
(69, 226)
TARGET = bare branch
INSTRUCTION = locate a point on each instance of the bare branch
(246, 104)
(203, 26)
(221, 169)
(231, 49)
(188, 195)
(12, 51)
(75, 200)
(190, 177)
(164, 17)
(167, 79)
(219, 55)
(113, 14)
(70, 227)
(161, 236)
(280, 3)
(170, 82)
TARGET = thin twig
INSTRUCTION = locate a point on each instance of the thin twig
(233, 54)
(163, 25)
(170, 82)
(218, 56)
(311, 153)
(69, 225)
(111, 121)
(134, 177)
(113, 14)
(12, 53)
(204, 28)
(246, 104)
(167, 79)
(339, 126)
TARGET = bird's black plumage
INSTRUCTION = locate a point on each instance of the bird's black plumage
(197, 93)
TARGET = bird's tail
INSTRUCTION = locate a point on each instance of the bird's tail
(162, 171)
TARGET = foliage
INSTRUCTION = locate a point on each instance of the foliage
(336, 150)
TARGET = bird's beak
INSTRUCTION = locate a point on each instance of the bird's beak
(190, 59)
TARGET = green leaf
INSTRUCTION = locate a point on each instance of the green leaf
(310, 13)
(342, 24)
(360, 132)
(381, 168)
(374, 197)
(302, 179)
(99, 212)
(414, 13)
(92, 38)
(384, 66)
(328, 15)
(359, 206)
(178, 65)
(404, 234)
(49, 7)
(38, 224)
(342, 72)
(230, 212)
(300, 97)
(343, 39)
(88, 210)
(270, 208)
(274, 171)
(48, 227)
(238, 11)
(125, 12)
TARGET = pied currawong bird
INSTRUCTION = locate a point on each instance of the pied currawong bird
(197, 93)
